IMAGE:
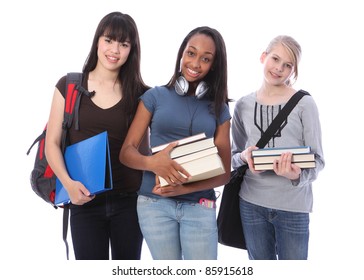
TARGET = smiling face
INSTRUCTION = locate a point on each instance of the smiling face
(198, 58)
(112, 54)
(278, 65)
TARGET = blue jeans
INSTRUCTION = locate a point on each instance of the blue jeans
(176, 230)
(109, 221)
(274, 234)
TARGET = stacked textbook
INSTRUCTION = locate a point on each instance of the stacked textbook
(301, 156)
(198, 155)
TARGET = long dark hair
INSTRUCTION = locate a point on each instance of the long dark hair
(120, 27)
(217, 76)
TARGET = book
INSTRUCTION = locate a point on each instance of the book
(87, 161)
(269, 166)
(280, 150)
(295, 158)
(196, 155)
(192, 147)
(181, 142)
(201, 165)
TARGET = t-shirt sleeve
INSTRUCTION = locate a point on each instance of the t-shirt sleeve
(225, 114)
(61, 85)
(149, 100)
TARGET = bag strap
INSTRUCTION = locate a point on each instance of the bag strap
(72, 102)
(41, 136)
(66, 213)
(74, 93)
(278, 120)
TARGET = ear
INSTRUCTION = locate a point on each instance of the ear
(263, 56)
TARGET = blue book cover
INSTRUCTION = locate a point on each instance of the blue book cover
(87, 161)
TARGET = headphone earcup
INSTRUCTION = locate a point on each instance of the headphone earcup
(201, 90)
(181, 86)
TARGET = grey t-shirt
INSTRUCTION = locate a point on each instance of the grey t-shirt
(302, 128)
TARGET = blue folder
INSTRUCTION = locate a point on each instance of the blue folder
(87, 161)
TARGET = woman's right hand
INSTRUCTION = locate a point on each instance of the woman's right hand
(169, 169)
(246, 156)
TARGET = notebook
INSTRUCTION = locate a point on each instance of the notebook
(87, 161)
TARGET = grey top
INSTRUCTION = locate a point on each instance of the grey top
(302, 128)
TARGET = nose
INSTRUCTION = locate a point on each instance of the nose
(115, 47)
(279, 67)
(196, 63)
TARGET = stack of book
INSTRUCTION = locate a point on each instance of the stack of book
(301, 156)
(198, 155)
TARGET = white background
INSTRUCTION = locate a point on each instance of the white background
(43, 40)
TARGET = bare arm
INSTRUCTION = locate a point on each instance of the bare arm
(76, 191)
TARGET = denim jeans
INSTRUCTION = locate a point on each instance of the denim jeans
(274, 234)
(108, 221)
(177, 230)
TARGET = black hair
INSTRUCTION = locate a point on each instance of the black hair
(121, 27)
(217, 76)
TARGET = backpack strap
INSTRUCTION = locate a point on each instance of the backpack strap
(74, 93)
(71, 107)
(73, 99)
(66, 213)
(37, 140)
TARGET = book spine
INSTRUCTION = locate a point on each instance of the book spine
(269, 166)
(279, 151)
(295, 158)
(181, 142)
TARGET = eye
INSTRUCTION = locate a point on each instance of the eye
(206, 59)
(190, 53)
(124, 45)
(107, 39)
(289, 66)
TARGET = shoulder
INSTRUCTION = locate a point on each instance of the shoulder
(307, 106)
(61, 85)
(246, 100)
(307, 99)
(156, 91)
(155, 96)
(225, 113)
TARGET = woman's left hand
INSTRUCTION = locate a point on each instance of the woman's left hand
(284, 167)
(168, 191)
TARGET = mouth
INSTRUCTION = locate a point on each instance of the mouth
(274, 75)
(112, 58)
(192, 73)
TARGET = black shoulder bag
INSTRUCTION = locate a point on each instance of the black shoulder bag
(230, 229)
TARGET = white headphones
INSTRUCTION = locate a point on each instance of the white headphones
(181, 87)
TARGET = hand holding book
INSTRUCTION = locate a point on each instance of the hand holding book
(196, 155)
(267, 159)
(167, 168)
(286, 168)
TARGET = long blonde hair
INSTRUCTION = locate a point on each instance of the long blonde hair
(293, 48)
